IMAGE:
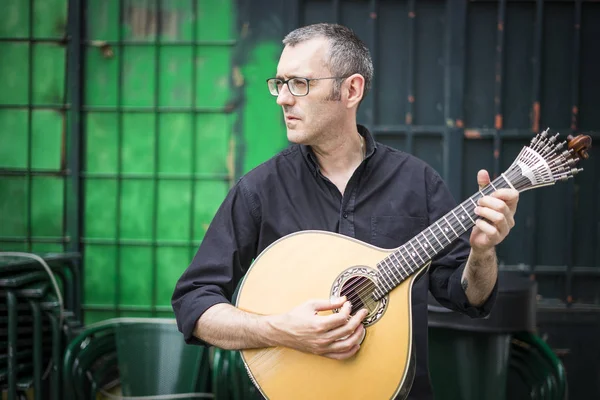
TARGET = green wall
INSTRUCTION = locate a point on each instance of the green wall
(169, 122)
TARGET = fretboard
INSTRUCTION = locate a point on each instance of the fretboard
(414, 254)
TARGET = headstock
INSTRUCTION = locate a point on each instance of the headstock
(544, 161)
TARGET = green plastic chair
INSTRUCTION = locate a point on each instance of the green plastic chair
(154, 360)
(146, 356)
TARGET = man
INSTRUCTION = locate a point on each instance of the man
(334, 177)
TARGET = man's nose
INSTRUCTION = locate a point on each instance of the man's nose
(285, 97)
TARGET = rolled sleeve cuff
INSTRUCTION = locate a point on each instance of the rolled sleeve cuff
(192, 310)
(459, 297)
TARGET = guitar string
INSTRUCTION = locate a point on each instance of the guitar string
(365, 286)
(513, 175)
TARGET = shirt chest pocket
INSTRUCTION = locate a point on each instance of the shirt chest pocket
(389, 232)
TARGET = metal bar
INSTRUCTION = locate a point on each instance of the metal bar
(570, 245)
(160, 176)
(488, 133)
(551, 269)
(575, 75)
(194, 132)
(454, 71)
(410, 75)
(157, 43)
(159, 110)
(371, 101)
(120, 72)
(37, 172)
(182, 43)
(61, 41)
(29, 124)
(46, 107)
(74, 196)
(140, 242)
(125, 308)
(499, 76)
(433, 130)
(35, 239)
(537, 66)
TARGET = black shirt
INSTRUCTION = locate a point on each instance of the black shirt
(391, 197)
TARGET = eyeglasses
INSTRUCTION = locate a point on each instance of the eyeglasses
(297, 86)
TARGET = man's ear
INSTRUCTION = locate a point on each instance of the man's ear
(355, 89)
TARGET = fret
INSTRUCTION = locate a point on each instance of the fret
(457, 235)
(411, 257)
(402, 255)
(507, 181)
(433, 248)
(411, 245)
(394, 269)
(434, 235)
(475, 204)
(492, 185)
(425, 247)
(400, 264)
(467, 213)
(458, 219)
(441, 230)
(385, 270)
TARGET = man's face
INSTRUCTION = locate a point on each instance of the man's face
(308, 118)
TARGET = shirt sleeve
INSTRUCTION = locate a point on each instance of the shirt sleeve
(447, 267)
(223, 257)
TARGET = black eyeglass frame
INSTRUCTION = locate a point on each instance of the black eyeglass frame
(308, 80)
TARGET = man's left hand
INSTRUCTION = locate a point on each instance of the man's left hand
(497, 213)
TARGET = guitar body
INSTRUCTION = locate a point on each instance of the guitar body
(314, 265)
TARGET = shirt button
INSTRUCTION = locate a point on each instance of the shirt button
(345, 215)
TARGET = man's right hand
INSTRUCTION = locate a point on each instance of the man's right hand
(336, 336)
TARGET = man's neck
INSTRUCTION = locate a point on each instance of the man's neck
(340, 155)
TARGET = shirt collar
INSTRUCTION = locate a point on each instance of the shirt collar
(310, 156)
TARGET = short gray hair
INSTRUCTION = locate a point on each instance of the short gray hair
(347, 53)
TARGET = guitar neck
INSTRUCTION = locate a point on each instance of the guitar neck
(418, 251)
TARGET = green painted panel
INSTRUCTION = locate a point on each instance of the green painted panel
(263, 126)
(101, 77)
(139, 73)
(13, 75)
(101, 142)
(13, 206)
(93, 316)
(14, 19)
(175, 86)
(12, 246)
(50, 18)
(216, 20)
(175, 143)
(48, 73)
(100, 274)
(174, 209)
(137, 209)
(171, 262)
(47, 128)
(135, 278)
(47, 202)
(100, 208)
(105, 23)
(209, 195)
(13, 136)
(137, 151)
(213, 68)
(48, 248)
(213, 135)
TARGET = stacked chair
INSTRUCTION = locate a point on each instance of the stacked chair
(40, 311)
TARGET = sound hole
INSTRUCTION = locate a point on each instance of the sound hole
(359, 291)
